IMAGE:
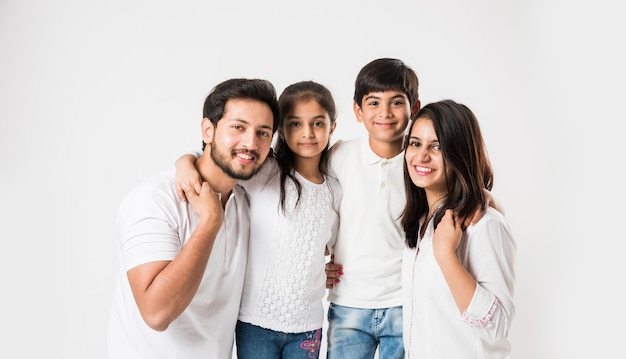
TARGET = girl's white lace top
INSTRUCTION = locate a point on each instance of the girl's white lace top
(285, 277)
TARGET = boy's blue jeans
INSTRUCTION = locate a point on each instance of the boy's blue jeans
(254, 342)
(354, 333)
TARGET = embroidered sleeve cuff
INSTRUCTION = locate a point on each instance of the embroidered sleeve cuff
(484, 321)
(481, 309)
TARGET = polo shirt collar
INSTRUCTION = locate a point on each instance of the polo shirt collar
(371, 158)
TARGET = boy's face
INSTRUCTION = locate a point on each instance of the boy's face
(241, 140)
(385, 115)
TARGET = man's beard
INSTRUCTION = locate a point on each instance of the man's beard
(220, 160)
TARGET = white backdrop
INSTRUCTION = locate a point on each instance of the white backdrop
(97, 95)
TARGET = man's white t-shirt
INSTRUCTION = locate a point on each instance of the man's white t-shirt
(153, 226)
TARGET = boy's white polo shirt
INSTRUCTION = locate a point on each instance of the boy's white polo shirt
(371, 242)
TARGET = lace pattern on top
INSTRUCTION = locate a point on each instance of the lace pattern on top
(296, 245)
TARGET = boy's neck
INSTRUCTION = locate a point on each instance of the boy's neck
(386, 149)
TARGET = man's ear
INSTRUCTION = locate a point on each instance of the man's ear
(357, 112)
(207, 130)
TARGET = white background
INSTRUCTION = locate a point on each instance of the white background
(97, 95)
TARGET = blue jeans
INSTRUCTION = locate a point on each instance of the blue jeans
(254, 342)
(354, 333)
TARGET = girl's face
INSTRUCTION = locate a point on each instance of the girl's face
(307, 129)
(424, 159)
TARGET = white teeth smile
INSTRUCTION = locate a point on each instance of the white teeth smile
(423, 169)
(245, 156)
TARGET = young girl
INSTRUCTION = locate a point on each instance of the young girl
(294, 216)
(458, 281)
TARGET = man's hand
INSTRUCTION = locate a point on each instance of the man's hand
(207, 204)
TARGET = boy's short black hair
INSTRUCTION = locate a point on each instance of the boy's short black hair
(386, 74)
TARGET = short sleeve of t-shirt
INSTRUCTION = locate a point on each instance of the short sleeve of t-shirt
(147, 227)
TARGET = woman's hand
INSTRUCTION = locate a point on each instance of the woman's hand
(447, 236)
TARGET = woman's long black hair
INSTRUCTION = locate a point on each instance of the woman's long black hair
(464, 159)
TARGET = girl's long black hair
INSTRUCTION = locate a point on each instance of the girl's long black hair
(292, 95)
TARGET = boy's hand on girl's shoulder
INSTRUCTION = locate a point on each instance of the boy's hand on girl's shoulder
(333, 272)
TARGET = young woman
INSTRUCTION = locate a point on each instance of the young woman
(294, 217)
(458, 282)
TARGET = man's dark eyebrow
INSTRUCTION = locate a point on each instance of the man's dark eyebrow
(248, 123)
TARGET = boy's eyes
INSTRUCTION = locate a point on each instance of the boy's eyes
(393, 103)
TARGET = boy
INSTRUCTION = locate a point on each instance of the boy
(365, 309)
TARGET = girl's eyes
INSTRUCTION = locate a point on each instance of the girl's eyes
(298, 124)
